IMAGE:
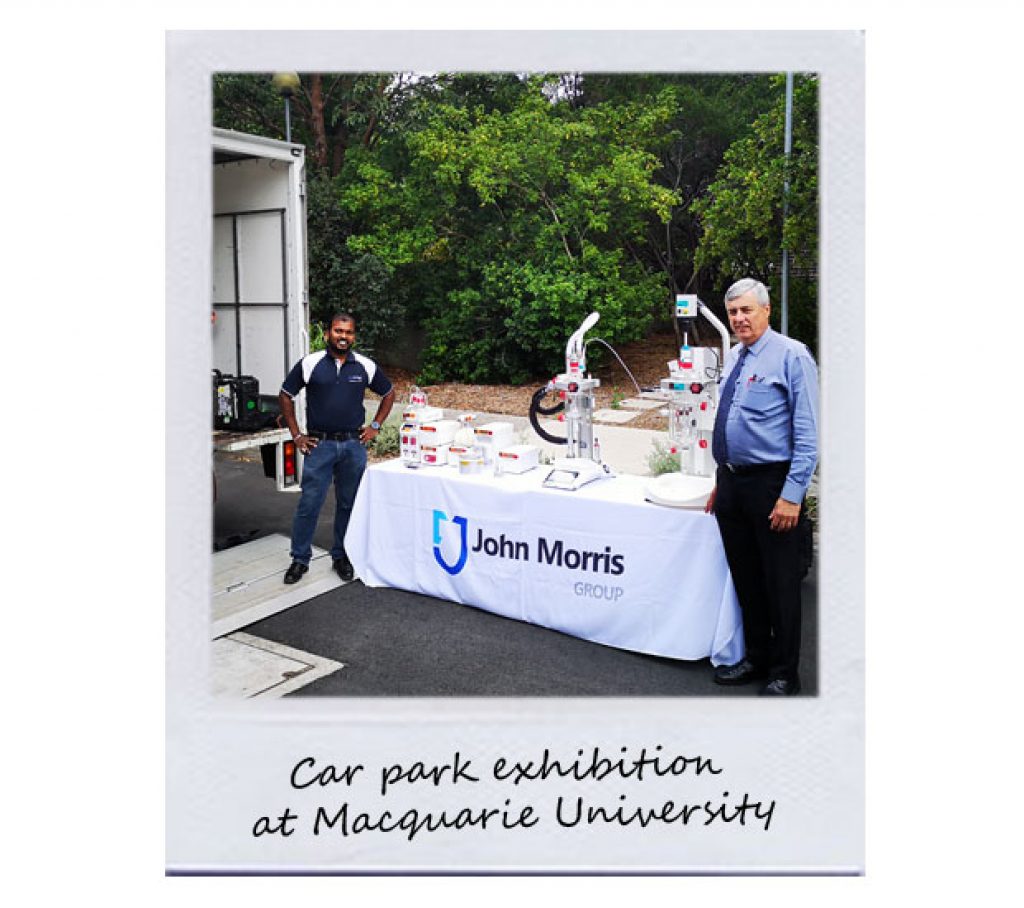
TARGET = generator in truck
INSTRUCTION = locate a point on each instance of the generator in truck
(260, 304)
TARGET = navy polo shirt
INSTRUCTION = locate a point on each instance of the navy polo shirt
(334, 390)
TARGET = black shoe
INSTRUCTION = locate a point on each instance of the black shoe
(344, 568)
(741, 673)
(781, 687)
(295, 572)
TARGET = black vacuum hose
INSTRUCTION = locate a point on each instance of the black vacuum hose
(536, 407)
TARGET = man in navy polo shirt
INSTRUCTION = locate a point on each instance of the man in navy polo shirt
(335, 380)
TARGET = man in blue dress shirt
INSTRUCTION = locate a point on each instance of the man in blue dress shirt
(335, 380)
(765, 443)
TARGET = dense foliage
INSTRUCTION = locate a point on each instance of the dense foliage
(493, 211)
(742, 213)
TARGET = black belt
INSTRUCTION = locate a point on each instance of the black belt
(334, 436)
(742, 468)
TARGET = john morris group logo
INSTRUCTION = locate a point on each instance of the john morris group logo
(552, 552)
(460, 562)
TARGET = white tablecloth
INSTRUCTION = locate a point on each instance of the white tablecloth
(599, 563)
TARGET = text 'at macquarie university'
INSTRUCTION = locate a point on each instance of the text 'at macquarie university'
(531, 777)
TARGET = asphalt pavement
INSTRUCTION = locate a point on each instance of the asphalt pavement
(396, 644)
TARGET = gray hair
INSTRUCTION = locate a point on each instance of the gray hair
(745, 285)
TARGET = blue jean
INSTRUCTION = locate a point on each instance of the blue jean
(344, 463)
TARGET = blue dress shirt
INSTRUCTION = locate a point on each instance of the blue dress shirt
(774, 412)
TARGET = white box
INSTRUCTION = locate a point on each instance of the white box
(456, 452)
(471, 462)
(417, 416)
(409, 438)
(414, 438)
(518, 458)
(492, 437)
(434, 455)
(440, 432)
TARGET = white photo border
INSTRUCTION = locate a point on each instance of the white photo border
(228, 763)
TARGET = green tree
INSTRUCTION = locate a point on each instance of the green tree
(341, 280)
(331, 112)
(742, 212)
(527, 212)
(710, 113)
(496, 210)
(247, 102)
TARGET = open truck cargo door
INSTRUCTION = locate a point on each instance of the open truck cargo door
(260, 302)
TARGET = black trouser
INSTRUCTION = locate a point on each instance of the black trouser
(766, 566)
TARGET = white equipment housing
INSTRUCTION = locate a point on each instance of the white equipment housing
(578, 389)
(692, 389)
(693, 393)
(572, 473)
(582, 465)
(579, 414)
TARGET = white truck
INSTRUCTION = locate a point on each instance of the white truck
(260, 302)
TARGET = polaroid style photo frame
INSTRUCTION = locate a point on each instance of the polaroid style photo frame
(392, 786)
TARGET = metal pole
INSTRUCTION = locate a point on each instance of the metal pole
(287, 84)
(788, 148)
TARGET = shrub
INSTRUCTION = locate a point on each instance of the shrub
(387, 444)
(661, 459)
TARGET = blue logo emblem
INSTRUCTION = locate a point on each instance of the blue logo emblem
(463, 547)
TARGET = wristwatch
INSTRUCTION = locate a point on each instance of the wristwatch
(375, 426)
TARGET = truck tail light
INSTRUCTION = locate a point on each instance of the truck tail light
(290, 471)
